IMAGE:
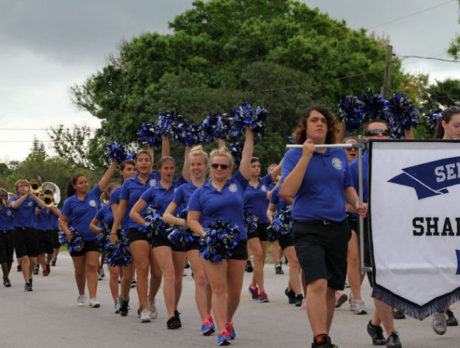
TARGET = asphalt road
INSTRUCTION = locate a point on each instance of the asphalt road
(48, 317)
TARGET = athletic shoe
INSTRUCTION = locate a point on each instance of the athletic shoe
(101, 274)
(187, 265)
(45, 273)
(279, 269)
(36, 270)
(124, 308)
(439, 323)
(376, 333)
(263, 298)
(173, 323)
(207, 328)
(27, 287)
(450, 318)
(48, 268)
(352, 302)
(360, 308)
(231, 330)
(53, 263)
(254, 292)
(393, 341)
(133, 283)
(340, 299)
(94, 303)
(153, 310)
(398, 315)
(81, 301)
(304, 303)
(347, 284)
(145, 316)
(223, 339)
(6, 282)
(31, 283)
(325, 342)
(290, 295)
(177, 315)
(249, 267)
(19, 268)
(298, 300)
(117, 307)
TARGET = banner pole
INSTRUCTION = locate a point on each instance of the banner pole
(323, 146)
(362, 267)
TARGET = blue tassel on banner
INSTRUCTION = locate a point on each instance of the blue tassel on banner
(458, 261)
(219, 241)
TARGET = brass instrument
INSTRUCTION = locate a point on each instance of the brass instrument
(4, 198)
(35, 186)
(104, 198)
(51, 194)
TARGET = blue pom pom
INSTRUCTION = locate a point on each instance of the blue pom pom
(236, 150)
(116, 150)
(250, 222)
(281, 224)
(75, 244)
(217, 126)
(431, 120)
(351, 110)
(245, 116)
(219, 241)
(180, 237)
(150, 134)
(119, 254)
(401, 115)
(374, 106)
(103, 238)
(154, 226)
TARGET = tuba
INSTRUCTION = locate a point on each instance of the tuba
(35, 186)
(51, 194)
(4, 198)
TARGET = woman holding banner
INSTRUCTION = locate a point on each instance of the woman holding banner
(320, 230)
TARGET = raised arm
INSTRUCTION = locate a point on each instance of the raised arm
(107, 175)
(18, 202)
(186, 167)
(165, 149)
(246, 155)
(39, 201)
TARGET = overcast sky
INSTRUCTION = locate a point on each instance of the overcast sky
(46, 46)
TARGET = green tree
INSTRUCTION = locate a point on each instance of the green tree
(442, 94)
(280, 54)
(38, 147)
(454, 47)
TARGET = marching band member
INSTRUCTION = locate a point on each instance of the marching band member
(223, 198)
(45, 228)
(6, 237)
(25, 234)
(79, 208)
(104, 218)
(320, 229)
(170, 259)
(256, 203)
(198, 163)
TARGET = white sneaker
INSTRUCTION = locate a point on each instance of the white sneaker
(153, 310)
(94, 303)
(145, 316)
(304, 303)
(81, 300)
(360, 308)
(340, 299)
(439, 323)
(117, 307)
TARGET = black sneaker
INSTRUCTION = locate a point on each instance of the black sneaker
(325, 342)
(398, 315)
(173, 323)
(36, 270)
(290, 295)
(53, 263)
(249, 267)
(177, 315)
(6, 282)
(450, 318)
(27, 287)
(279, 269)
(133, 283)
(124, 308)
(376, 333)
(30, 282)
(393, 341)
(298, 300)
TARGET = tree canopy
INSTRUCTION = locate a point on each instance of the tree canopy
(279, 54)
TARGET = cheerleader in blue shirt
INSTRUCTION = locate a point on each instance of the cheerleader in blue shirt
(256, 203)
(6, 237)
(158, 197)
(319, 180)
(80, 207)
(198, 162)
(223, 198)
(25, 224)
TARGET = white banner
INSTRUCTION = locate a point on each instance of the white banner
(415, 224)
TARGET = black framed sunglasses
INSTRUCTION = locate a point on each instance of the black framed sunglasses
(374, 132)
(217, 165)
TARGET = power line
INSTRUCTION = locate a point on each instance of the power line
(431, 58)
(37, 129)
(411, 14)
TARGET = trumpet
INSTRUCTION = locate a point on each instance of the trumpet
(104, 198)
(35, 186)
(51, 194)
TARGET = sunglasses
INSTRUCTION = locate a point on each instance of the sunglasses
(374, 132)
(217, 165)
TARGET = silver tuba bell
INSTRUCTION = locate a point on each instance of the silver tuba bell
(51, 194)
(4, 198)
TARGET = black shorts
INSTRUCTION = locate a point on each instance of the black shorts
(195, 245)
(89, 245)
(134, 235)
(158, 241)
(285, 240)
(260, 233)
(6, 246)
(322, 250)
(55, 237)
(45, 242)
(26, 242)
(240, 252)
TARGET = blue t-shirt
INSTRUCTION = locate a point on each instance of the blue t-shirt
(55, 220)
(131, 191)
(6, 219)
(105, 216)
(226, 205)
(354, 169)
(115, 196)
(182, 196)
(81, 212)
(24, 215)
(255, 199)
(321, 193)
(158, 197)
(45, 219)
(277, 200)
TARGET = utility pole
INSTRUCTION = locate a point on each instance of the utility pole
(387, 78)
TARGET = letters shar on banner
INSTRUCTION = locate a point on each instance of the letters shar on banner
(415, 224)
